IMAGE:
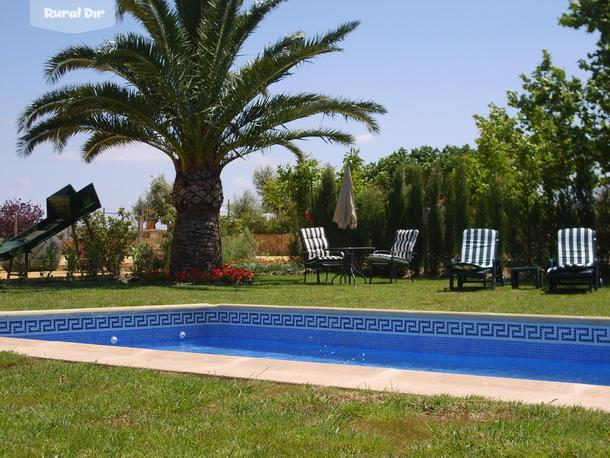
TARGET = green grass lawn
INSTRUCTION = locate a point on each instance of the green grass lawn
(282, 290)
(51, 408)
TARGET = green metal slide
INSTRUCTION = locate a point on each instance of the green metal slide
(64, 208)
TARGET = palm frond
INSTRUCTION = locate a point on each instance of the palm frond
(99, 99)
(99, 142)
(261, 141)
(190, 13)
(59, 128)
(73, 58)
(269, 112)
(275, 63)
(178, 88)
(156, 17)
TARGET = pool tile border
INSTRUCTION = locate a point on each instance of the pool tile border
(497, 327)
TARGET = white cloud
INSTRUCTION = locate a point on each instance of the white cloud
(366, 137)
(69, 155)
(241, 183)
(133, 154)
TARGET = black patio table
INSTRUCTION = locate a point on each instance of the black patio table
(534, 271)
(350, 271)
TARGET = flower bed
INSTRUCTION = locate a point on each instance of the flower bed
(226, 275)
(269, 265)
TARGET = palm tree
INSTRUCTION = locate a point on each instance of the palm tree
(180, 90)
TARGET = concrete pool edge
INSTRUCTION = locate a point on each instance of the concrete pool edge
(320, 374)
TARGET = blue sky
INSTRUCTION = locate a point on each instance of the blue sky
(431, 63)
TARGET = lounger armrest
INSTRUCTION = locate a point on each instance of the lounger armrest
(381, 252)
(552, 263)
(453, 261)
(336, 253)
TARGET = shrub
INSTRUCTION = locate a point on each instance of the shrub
(166, 247)
(107, 243)
(239, 246)
(72, 262)
(43, 258)
(143, 259)
(270, 265)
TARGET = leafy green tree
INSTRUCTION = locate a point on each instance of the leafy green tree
(542, 158)
(299, 184)
(246, 213)
(156, 204)
(179, 89)
(551, 108)
(260, 178)
(594, 17)
(357, 168)
(245, 203)
(382, 171)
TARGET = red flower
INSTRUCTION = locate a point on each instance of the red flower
(224, 276)
(309, 217)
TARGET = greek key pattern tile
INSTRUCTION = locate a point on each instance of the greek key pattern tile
(83, 323)
(412, 326)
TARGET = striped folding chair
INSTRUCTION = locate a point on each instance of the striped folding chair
(401, 253)
(316, 253)
(576, 261)
(479, 259)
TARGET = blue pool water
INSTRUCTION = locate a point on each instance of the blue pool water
(540, 348)
(527, 368)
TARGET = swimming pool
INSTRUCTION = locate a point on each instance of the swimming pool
(528, 347)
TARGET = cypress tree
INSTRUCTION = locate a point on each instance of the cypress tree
(397, 203)
(496, 205)
(370, 202)
(415, 212)
(462, 201)
(325, 202)
(450, 233)
(434, 227)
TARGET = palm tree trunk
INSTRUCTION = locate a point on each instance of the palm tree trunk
(197, 197)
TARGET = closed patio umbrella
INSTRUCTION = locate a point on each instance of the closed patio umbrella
(345, 211)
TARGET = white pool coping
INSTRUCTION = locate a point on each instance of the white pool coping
(319, 374)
